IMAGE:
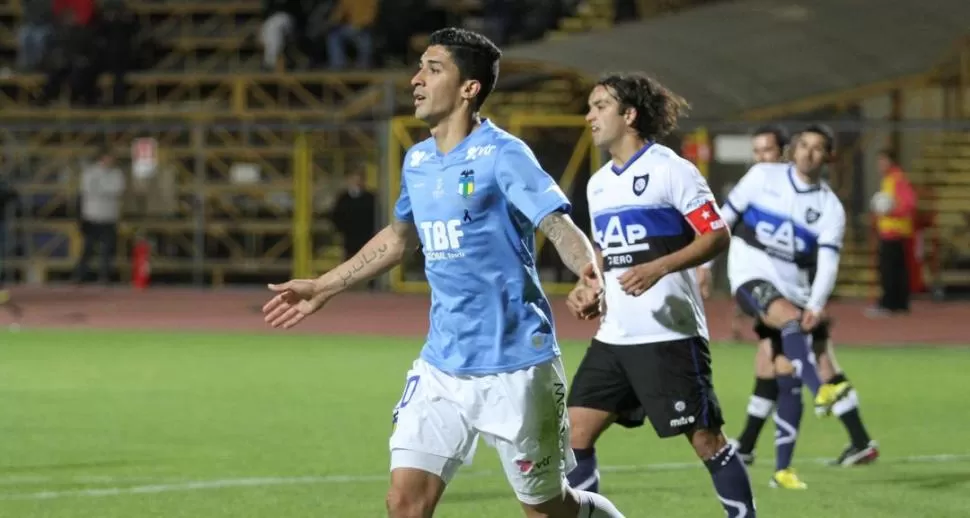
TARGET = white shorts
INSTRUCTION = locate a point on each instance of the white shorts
(522, 414)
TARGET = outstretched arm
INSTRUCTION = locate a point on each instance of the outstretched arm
(574, 248)
(384, 251)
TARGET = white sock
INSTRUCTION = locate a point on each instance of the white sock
(592, 505)
(846, 404)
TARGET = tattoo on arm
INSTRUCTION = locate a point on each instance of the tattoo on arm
(574, 249)
(360, 261)
(383, 252)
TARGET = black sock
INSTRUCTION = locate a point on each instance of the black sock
(585, 476)
(848, 411)
(731, 483)
(760, 405)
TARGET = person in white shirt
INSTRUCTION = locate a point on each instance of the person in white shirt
(782, 266)
(102, 189)
(654, 220)
(769, 145)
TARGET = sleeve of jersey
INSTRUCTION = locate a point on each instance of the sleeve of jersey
(740, 196)
(691, 195)
(826, 272)
(526, 185)
(402, 208)
(827, 262)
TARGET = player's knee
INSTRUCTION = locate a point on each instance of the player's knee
(707, 442)
(408, 504)
(783, 366)
(764, 366)
(780, 312)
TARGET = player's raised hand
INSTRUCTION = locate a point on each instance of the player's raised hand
(294, 300)
(638, 279)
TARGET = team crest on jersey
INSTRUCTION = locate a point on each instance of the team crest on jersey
(466, 183)
(812, 215)
(640, 184)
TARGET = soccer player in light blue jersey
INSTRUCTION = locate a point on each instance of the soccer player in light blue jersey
(474, 196)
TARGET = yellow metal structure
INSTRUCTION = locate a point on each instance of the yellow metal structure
(203, 36)
(302, 208)
(209, 216)
(548, 135)
(296, 96)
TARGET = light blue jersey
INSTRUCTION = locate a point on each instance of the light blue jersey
(476, 210)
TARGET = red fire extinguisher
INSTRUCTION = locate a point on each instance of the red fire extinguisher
(141, 263)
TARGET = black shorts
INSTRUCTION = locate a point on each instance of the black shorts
(668, 382)
(820, 337)
(754, 297)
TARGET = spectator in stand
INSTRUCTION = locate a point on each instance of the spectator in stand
(895, 227)
(83, 10)
(497, 16)
(102, 190)
(117, 47)
(353, 20)
(70, 56)
(280, 19)
(32, 35)
(354, 214)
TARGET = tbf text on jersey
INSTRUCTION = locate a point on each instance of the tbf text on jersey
(786, 232)
(476, 210)
(653, 206)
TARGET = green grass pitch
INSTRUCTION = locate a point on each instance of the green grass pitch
(126, 425)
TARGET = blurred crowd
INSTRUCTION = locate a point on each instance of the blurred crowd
(336, 34)
(73, 42)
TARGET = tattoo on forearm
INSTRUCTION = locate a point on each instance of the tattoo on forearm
(573, 247)
(360, 262)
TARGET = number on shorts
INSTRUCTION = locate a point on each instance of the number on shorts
(409, 388)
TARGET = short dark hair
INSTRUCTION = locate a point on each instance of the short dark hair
(475, 55)
(890, 154)
(657, 107)
(779, 132)
(825, 131)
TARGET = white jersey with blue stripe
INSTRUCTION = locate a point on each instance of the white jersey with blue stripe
(639, 213)
(780, 224)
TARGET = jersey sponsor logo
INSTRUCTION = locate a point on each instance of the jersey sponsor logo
(617, 233)
(780, 239)
(621, 260)
(476, 152)
(640, 184)
(417, 157)
(682, 421)
(442, 239)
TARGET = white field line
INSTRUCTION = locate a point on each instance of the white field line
(194, 485)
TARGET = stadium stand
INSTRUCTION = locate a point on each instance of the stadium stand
(205, 99)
